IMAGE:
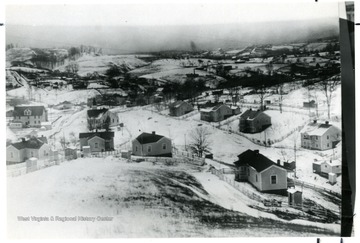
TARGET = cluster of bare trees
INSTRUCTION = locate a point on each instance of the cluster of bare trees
(72, 67)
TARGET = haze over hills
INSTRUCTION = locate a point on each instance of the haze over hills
(136, 39)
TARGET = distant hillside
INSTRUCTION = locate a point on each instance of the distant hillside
(35, 57)
(130, 39)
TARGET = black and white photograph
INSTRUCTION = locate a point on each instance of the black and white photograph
(173, 120)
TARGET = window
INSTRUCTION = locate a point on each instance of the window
(27, 112)
(327, 136)
(256, 178)
(273, 179)
(11, 155)
(113, 120)
(338, 135)
(317, 145)
(96, 145)
(149, 148)
(136, 148)
(164, 146)
(32, 154)
(328, 145)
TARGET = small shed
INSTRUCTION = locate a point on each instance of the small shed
(126, 154)
(46, 125)
(294, 198)
(317, 166)
(332, 178)
(31, 164)
(86, 151)
(70, 153)
(235, 110)
(15, 125)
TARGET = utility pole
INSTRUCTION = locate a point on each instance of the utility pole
(185, 141)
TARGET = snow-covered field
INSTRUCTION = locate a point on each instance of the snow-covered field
(90, 63)
(121, 199)
(281, 125)
(54, 97)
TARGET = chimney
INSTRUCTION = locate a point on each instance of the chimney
(153, 132)
(315, 121)
(327, 122)
(278, 162)
(22, 139)
(256, 151)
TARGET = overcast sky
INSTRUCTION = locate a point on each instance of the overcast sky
(165, 14)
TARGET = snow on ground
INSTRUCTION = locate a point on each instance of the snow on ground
(53, 96)
(137, 199)
(91, 63)
(27, 69)
(281, 125)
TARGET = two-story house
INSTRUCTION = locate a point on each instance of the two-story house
(254, 121)
(320, 136)
(30, 116)
(101, 118)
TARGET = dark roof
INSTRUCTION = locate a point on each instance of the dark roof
(95, 113)
(250, 114)
(43, 139)
(104, 135)
(177, 104)
(254, 159)
(145, 138)
(35, 110)
(218, 106)
(32, 143)
(325, 125)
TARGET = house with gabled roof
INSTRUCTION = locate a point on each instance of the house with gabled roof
(216, 113)
(21, 151)
(254, 121)
(264, 174)
(101, 118)
(320, 136)
(152, 144)
(30, 116)
(325, 167)
(98, 141)
(180, 108)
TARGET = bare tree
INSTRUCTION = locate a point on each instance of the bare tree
(281, 95)
(72, 67)
(261, 90)
(328, 87)
(200, 139)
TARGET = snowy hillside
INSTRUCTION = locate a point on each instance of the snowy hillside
(93, 63)
(93, 198)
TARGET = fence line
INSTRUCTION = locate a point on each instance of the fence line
(315, 187)
(320, 212)
(22, 168)
(169, 160)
